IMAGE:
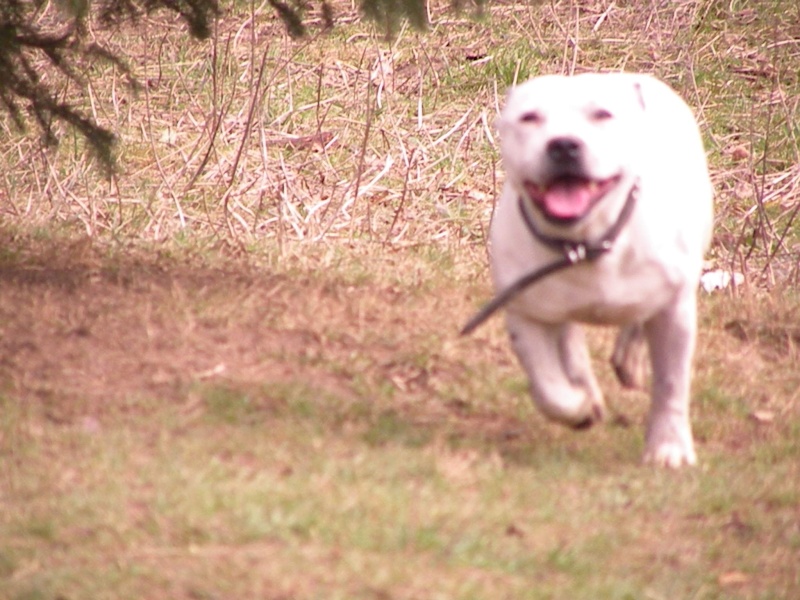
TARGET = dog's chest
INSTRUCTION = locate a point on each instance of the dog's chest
(621, 287)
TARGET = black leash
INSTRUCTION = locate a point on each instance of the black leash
(574, 253)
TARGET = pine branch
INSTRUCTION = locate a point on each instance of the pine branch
(26, 49)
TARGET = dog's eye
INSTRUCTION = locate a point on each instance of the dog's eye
(601, 114)
(531, 117)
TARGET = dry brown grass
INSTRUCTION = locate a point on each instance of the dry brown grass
(254, 136)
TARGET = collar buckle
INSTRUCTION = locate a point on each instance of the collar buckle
(575, 253)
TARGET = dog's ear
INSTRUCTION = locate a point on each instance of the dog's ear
(637, 86)
(501, 120)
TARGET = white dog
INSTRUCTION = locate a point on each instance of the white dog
(606, 175)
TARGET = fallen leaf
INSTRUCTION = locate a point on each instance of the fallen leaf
(514, 531)
(738, 153)
(733, 578)
(762, 416)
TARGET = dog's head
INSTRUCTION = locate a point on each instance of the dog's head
(569, 143)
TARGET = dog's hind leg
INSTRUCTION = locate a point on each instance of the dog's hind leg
(559, 370)
(630, 356)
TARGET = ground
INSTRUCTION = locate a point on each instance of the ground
(216, 425)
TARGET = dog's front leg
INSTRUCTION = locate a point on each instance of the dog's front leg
(671, 336)
(557, 363)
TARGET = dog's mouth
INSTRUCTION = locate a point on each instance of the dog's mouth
(569, 198)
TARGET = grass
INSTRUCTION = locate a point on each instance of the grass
(262, 466)
(234, 370)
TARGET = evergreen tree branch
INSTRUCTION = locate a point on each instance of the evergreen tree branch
(27, 49)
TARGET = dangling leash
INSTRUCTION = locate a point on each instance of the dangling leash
(574, 253)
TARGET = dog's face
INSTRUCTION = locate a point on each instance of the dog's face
(567, 142)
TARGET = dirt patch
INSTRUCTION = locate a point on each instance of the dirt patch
(79, 330)
(83, 333)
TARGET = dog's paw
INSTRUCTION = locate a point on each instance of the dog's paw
(672, 454)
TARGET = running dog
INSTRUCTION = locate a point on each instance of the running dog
(607, 174)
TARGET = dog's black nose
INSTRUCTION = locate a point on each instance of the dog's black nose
(564, 150)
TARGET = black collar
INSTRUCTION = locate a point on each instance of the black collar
(574, 253)
(580, 251)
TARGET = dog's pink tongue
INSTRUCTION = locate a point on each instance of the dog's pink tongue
(567, 199)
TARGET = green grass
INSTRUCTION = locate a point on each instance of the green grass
(180, 495)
